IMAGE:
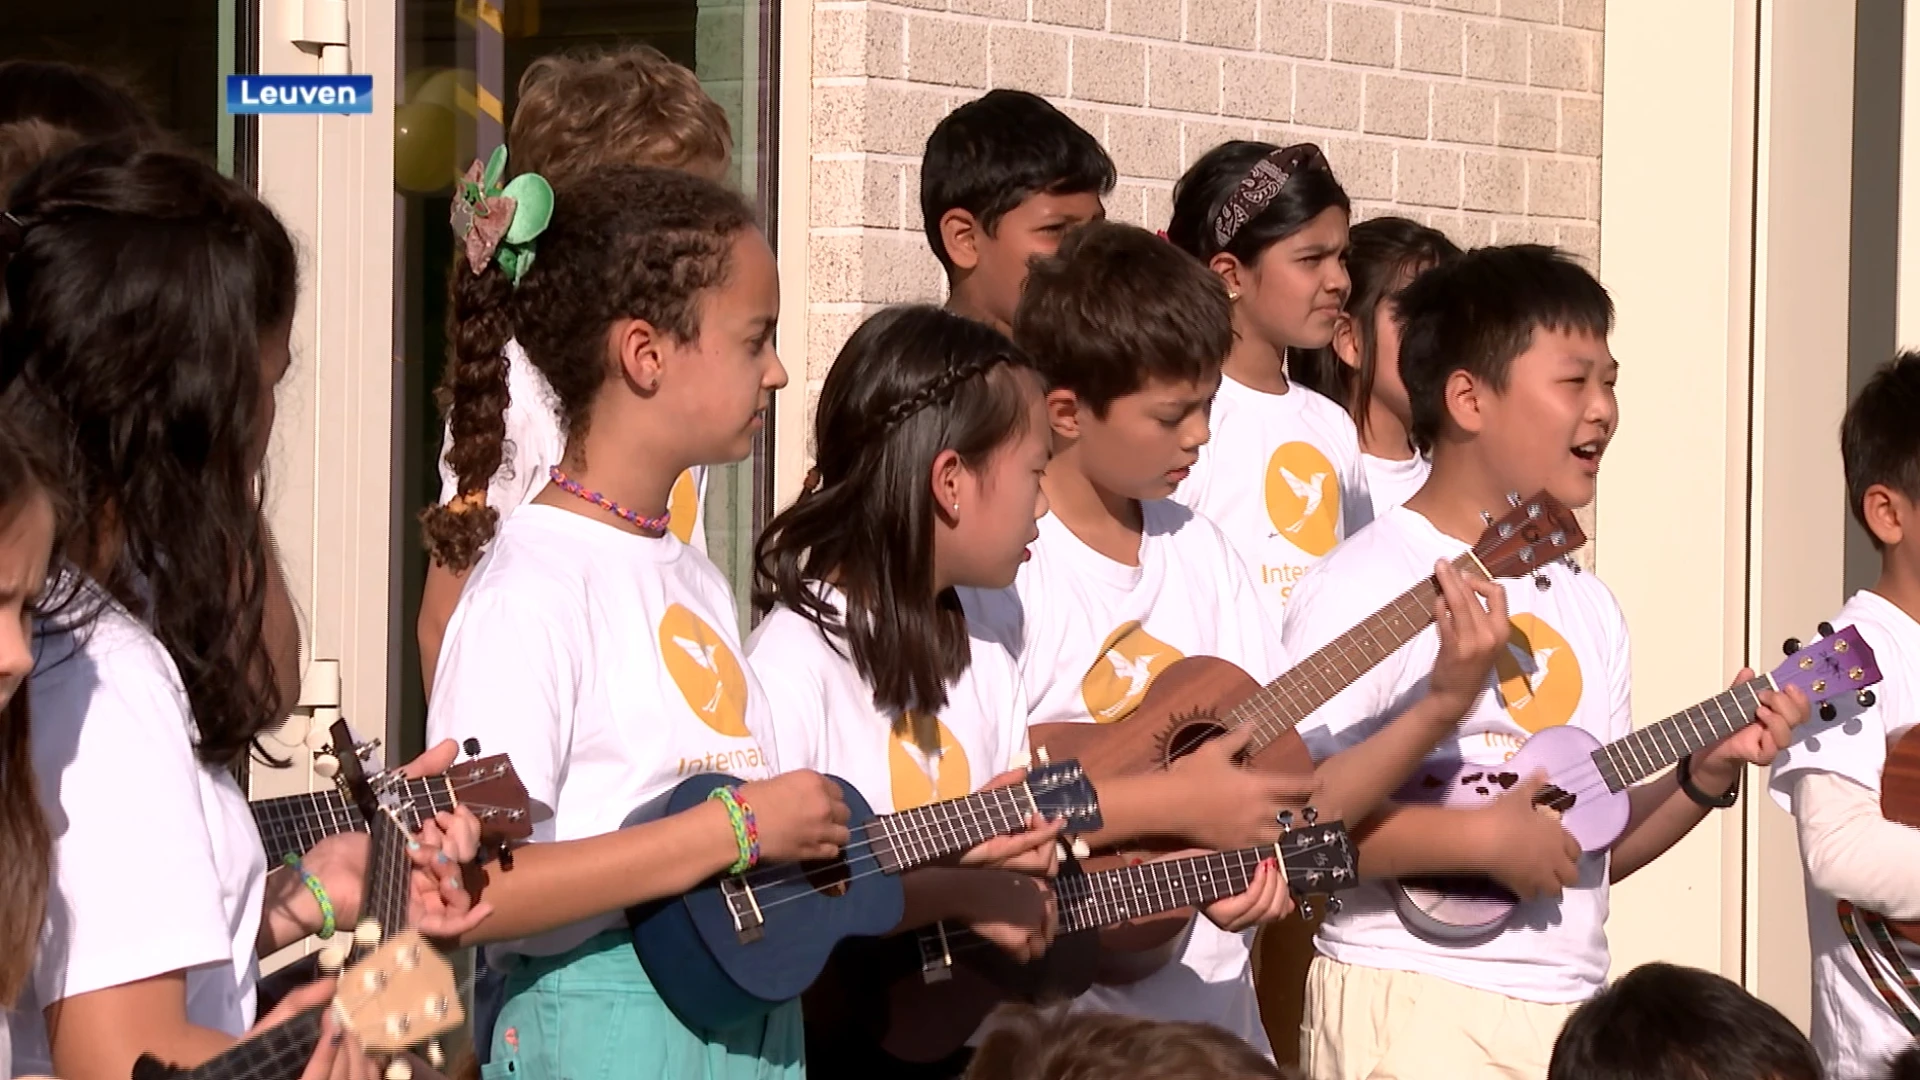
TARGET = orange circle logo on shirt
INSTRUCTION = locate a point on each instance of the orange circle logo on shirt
(1128, 661)
(1539, 675)
(683, 507)
(920, 777)
(1303, 498)
(705, 671)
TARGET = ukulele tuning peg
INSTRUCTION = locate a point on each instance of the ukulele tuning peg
(1486, 517)
(1791, 646)
(471, 746)
(398, 1069)
(1827, 711)
(1826, 629)
(365, 750)
(367, 934)
(1865, 698)
(436, 1057)
(1310, 815)
(506, 857)
(1333, 905)
(1080, 849)
(1513, 498)
(1040, 755)
(1285, 818)
(333, 955)
(1307, 911)
(326, 767)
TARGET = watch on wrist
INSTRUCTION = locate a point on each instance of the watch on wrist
(1711, 802)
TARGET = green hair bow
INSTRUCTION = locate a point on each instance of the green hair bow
(499, 223)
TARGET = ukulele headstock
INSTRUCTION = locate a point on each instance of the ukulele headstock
(1532, 534)
(1062, 790)
(400, 996)
(1837, 664)
(1317, 858)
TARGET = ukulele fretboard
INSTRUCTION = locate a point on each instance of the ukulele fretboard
(1627, 761)
(291, 824)
(927, 833)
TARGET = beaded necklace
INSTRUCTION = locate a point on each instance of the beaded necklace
(652, 525)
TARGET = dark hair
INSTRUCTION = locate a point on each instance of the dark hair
(910, 383)
(148, 394)
(66, 96)
(1027, 1043)
(1665, 1022)
(1210, 182)
(1880, 436)
(995, 152)
(23, 826)
(1383, 255)
(625, 241)
(24, 144)
(1119, 306)
(1478, 312)
(1905, 1065)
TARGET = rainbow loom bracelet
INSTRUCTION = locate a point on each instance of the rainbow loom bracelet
(746, 832)
(319, 892)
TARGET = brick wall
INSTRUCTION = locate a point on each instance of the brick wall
(1480, 117)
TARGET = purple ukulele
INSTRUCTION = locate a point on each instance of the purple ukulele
(1587, 783)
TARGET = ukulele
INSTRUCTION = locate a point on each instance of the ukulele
(931, 1011)
(1587, 783)
(1198, 698)
(741, 944)
(1900, 803)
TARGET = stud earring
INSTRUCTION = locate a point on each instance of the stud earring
(1232, 296)
(956, 508)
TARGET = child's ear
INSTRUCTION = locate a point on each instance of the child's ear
(961, 235)
(1233, 272)
(1462, 395)
(1063, 415)
(635, 349)
(1346, 340)
(945, 480)
(1890, 515)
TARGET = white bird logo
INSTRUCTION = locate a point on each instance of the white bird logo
(929, 763)
(1137, 673)
(1541, 663)
(1311, 492)
(703, 654)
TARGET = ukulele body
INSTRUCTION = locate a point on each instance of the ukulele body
(1900, 803)
(1465, 909)
(927, 1022)
(1182, 711)
(713, 974)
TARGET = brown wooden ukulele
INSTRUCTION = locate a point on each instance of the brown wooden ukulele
(1198, 698)
(1900, 803)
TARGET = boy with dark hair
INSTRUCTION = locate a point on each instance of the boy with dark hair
(1505, 359)
(1861, 868)
(1130, 334)
(1005, 177)
(1665, 1022)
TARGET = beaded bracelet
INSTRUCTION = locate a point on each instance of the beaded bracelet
(319, 892)
(746, 830)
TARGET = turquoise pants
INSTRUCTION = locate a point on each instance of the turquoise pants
(592, 1014)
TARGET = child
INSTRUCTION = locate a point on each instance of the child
(153, 677)
(1282, 475)
(75, 98)
(932, 437)
(1053, 1044)
(575, 112)
(1005, 177)
(1862, 868)
(1664, 1022)
(1130, 334)
(1361, 368)
(1510, 383)
(597, 649)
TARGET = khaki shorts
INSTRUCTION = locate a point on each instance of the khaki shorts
(1365, 1023)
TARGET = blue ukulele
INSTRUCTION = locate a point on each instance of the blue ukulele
(741, 944)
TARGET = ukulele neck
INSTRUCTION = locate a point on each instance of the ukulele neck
(291, 824)
(925, 834)
(1628, 761)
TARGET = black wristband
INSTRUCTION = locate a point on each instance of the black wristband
(1701, 798)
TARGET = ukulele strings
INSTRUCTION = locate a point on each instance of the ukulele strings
(268, 1069)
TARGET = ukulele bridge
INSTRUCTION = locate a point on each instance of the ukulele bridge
(936, 956)
(748, 924)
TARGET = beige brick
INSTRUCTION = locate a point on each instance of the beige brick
(1477, 7)
(1363, 35)
(833, 267)
(1105, 69)
(1296, 28)
(1326, 97)
(1558, 58)
(1528, 120)
(1428, 176)
(1463, 112)
(1213, 22)
(1497, 52)
(950, 52)
(1159, 206)
(1466, 230)
(1583, 243)
(827, 330)
(859, 41)
(1090, 14)
(900, 268)
(1145, 20)
(1257, 87)
(1127, 205)
(899, 118)
(1546, 11)
(1184, 79)
(1199, 136)
(1432, 43)
(1092, 119)
(1496, 182)
(1028, 59)
(1364, 167)
(856, 191)
(839, 118)
(1144, 146)
(1523, 231)
(910, 198)
(1280, 135)
(998, 9)
(1397, 106)
(1585, 14)
(1580, 126)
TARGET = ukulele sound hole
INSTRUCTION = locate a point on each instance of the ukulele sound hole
(1189, 736)
(828, 877)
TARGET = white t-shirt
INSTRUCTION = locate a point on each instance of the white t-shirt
(113, 755)
(1391, 483)
(535, 443)
(1566, 663)
(607, 666)
(1853, 1029)
(821, 716)
(1282, 478)
(1090, 636)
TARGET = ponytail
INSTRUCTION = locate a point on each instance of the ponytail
(474, 395)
